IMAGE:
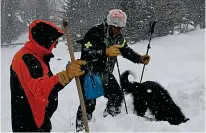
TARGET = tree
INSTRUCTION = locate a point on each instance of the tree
(168, 13)
(196, 12)
(18, 14)
(12, 24)
(82, 15)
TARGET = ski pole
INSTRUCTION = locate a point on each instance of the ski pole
(125, 104)
(152, 24)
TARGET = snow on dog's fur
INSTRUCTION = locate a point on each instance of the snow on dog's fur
(151, 95)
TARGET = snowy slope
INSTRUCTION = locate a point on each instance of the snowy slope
(177, 62)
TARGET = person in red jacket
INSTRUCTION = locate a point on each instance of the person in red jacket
(34, 89)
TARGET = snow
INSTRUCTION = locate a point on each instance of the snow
(23, 38)
(177, 62)
(19, 17)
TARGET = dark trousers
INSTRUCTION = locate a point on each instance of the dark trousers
(112, 92)
(31, 127)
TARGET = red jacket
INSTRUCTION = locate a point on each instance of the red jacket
(32, 72)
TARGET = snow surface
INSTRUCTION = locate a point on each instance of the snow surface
(177, 63)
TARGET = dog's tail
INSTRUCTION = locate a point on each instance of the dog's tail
(125, 83)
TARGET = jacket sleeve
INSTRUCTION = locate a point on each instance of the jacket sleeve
(92, 46)
(37, 87)
(41, 86)
(129, 53)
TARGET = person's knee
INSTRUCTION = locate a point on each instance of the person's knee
(118, 101)
(90, 105)
(118, 95)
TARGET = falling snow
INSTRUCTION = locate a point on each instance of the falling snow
(149, 91)
(177, 63)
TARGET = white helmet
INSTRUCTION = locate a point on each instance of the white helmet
(117, 17)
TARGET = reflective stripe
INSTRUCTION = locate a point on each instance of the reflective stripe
(88, 44)
(122, 45)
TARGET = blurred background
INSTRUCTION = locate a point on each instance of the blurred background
(173, 16)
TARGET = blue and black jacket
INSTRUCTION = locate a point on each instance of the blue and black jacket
(94, 45)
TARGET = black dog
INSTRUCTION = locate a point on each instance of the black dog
(151, 95)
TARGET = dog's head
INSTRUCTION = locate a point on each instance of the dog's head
(127, 86)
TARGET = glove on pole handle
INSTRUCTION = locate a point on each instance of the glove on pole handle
(151, 24)
(71, 52)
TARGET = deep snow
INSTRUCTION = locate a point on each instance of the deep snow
(177, 62)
